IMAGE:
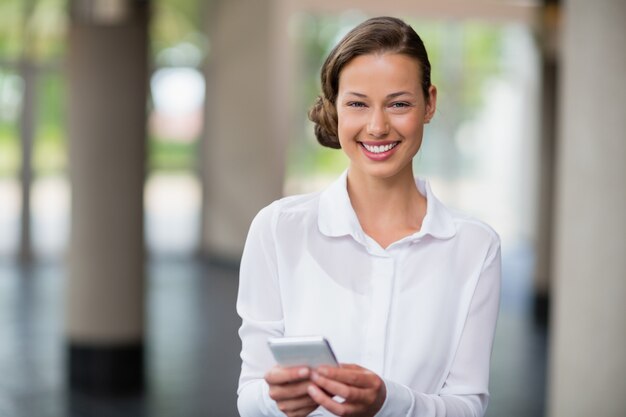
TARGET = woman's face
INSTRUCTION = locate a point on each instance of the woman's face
(381, 111)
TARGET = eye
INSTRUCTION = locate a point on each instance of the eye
(400, 104)
(356, 104)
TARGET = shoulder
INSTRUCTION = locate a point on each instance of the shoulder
(470, 224)
(475, 232)
(301, 203)
(281, 221)
(295, 207)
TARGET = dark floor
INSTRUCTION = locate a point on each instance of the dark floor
(193, 347)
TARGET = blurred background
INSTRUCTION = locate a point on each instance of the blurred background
(139, 138)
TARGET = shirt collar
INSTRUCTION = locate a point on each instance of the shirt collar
(337, 217)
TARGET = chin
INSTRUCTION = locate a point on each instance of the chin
(382, 172)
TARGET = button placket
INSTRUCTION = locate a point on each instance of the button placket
(376, 339)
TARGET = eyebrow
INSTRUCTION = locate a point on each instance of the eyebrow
(392, 95)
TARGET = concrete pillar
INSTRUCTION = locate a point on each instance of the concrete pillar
(588, 322)
(108, 79)
(247, 119)
(548, 35)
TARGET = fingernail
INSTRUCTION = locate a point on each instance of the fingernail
(322, 371)
(303, 372)
(311, 389)
(315, 376)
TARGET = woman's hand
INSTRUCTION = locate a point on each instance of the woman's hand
(288, 387)
(364, 391)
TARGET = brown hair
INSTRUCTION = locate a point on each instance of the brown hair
(374, 36)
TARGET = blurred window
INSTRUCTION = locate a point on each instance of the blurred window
(32, 48)
(32, 44)
(173, 201)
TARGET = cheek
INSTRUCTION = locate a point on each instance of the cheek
(410, 126)
(347, 126)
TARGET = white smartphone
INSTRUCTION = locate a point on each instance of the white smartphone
(311, 351)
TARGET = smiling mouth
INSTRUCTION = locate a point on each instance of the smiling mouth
(379, 148)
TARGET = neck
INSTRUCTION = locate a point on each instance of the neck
(387, 208)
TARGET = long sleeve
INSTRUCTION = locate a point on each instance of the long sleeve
(259, 306)
(465, 392)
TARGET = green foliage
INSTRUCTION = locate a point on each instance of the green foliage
(51, 89)
(32, 28)
(10, 28)
(175, 22)
(167, 155)
(482, 58)
(50, 150)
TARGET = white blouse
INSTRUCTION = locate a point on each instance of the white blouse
(420, 313)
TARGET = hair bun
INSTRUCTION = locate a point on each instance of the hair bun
(324, 115)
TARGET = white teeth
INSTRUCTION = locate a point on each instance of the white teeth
(380, 149)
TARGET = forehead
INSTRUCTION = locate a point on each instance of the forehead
(389, 70)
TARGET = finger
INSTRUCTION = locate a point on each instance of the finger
(282, 392)
(359, 377)
(280, 375)
(294, 405)
(333, 387)
(325, 401)
(303, 412)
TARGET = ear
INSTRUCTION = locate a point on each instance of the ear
(431, 104)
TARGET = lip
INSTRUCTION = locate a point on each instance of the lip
(379, 156)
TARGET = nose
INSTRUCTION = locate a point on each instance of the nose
(378, 125)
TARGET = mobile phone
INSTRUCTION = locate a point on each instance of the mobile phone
(311, 351)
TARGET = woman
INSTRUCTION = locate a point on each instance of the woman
(405, 290)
